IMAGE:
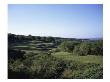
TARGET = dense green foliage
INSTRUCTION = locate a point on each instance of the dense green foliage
(83, 48)
(68, 46)
(35, 57)
(40, 66)
(89, 48)
(43, 66)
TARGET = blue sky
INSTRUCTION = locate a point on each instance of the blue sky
(67, 20)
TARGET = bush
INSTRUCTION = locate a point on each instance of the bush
(68, 46)
(82, 71)
(43, 66)
(39, 66)
(89, 48)
(47, 67)
(97, 48)
(92, 72)
(84, 48)
(17, 70)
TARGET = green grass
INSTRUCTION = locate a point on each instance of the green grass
(83, 59)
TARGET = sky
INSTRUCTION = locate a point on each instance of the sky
(66, 20)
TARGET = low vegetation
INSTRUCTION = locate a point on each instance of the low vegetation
(35, 57)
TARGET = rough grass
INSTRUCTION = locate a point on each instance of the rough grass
(83, 59)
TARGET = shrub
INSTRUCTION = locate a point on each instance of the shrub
(92, 72)
(17, 70)
(39, 66)
(84, 48)
(47, 67)
(43, 66)
(89, 48)
(68, 46)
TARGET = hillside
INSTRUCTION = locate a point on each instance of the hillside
(31, 57)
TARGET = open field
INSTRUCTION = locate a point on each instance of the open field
(83, 59)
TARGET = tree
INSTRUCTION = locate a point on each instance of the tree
(97, 48)
(50, 39)
(68, 46)
(89, 48)
(84, 48)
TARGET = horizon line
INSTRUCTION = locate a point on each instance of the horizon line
(57, 36)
